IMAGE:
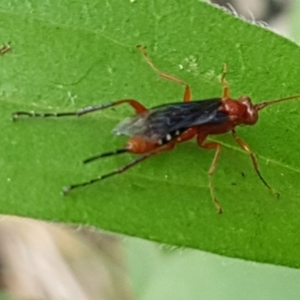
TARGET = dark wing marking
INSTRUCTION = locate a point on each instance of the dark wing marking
(161, 120)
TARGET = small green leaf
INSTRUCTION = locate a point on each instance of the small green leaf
(70, 54)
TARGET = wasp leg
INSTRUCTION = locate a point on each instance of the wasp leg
(224, 82)
(187, 92)
(67, 189)
(134, 162)
(217, 147)
(138, 107)
(254, 160)
(111, 153)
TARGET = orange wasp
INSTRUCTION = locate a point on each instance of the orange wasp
(160, 128)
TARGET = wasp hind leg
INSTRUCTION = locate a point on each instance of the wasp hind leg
(134, 162)
(137, 106)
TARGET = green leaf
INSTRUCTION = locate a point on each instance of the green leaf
(70, 54)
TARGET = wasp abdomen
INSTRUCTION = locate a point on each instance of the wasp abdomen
(139, 145)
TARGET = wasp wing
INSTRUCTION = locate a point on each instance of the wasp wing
(157, 122)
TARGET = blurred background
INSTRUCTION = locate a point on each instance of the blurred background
(276, 14)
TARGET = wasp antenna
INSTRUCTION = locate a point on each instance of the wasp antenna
(111, 153)
(260, 106)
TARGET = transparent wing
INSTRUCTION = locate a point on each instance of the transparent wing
(161, 120)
